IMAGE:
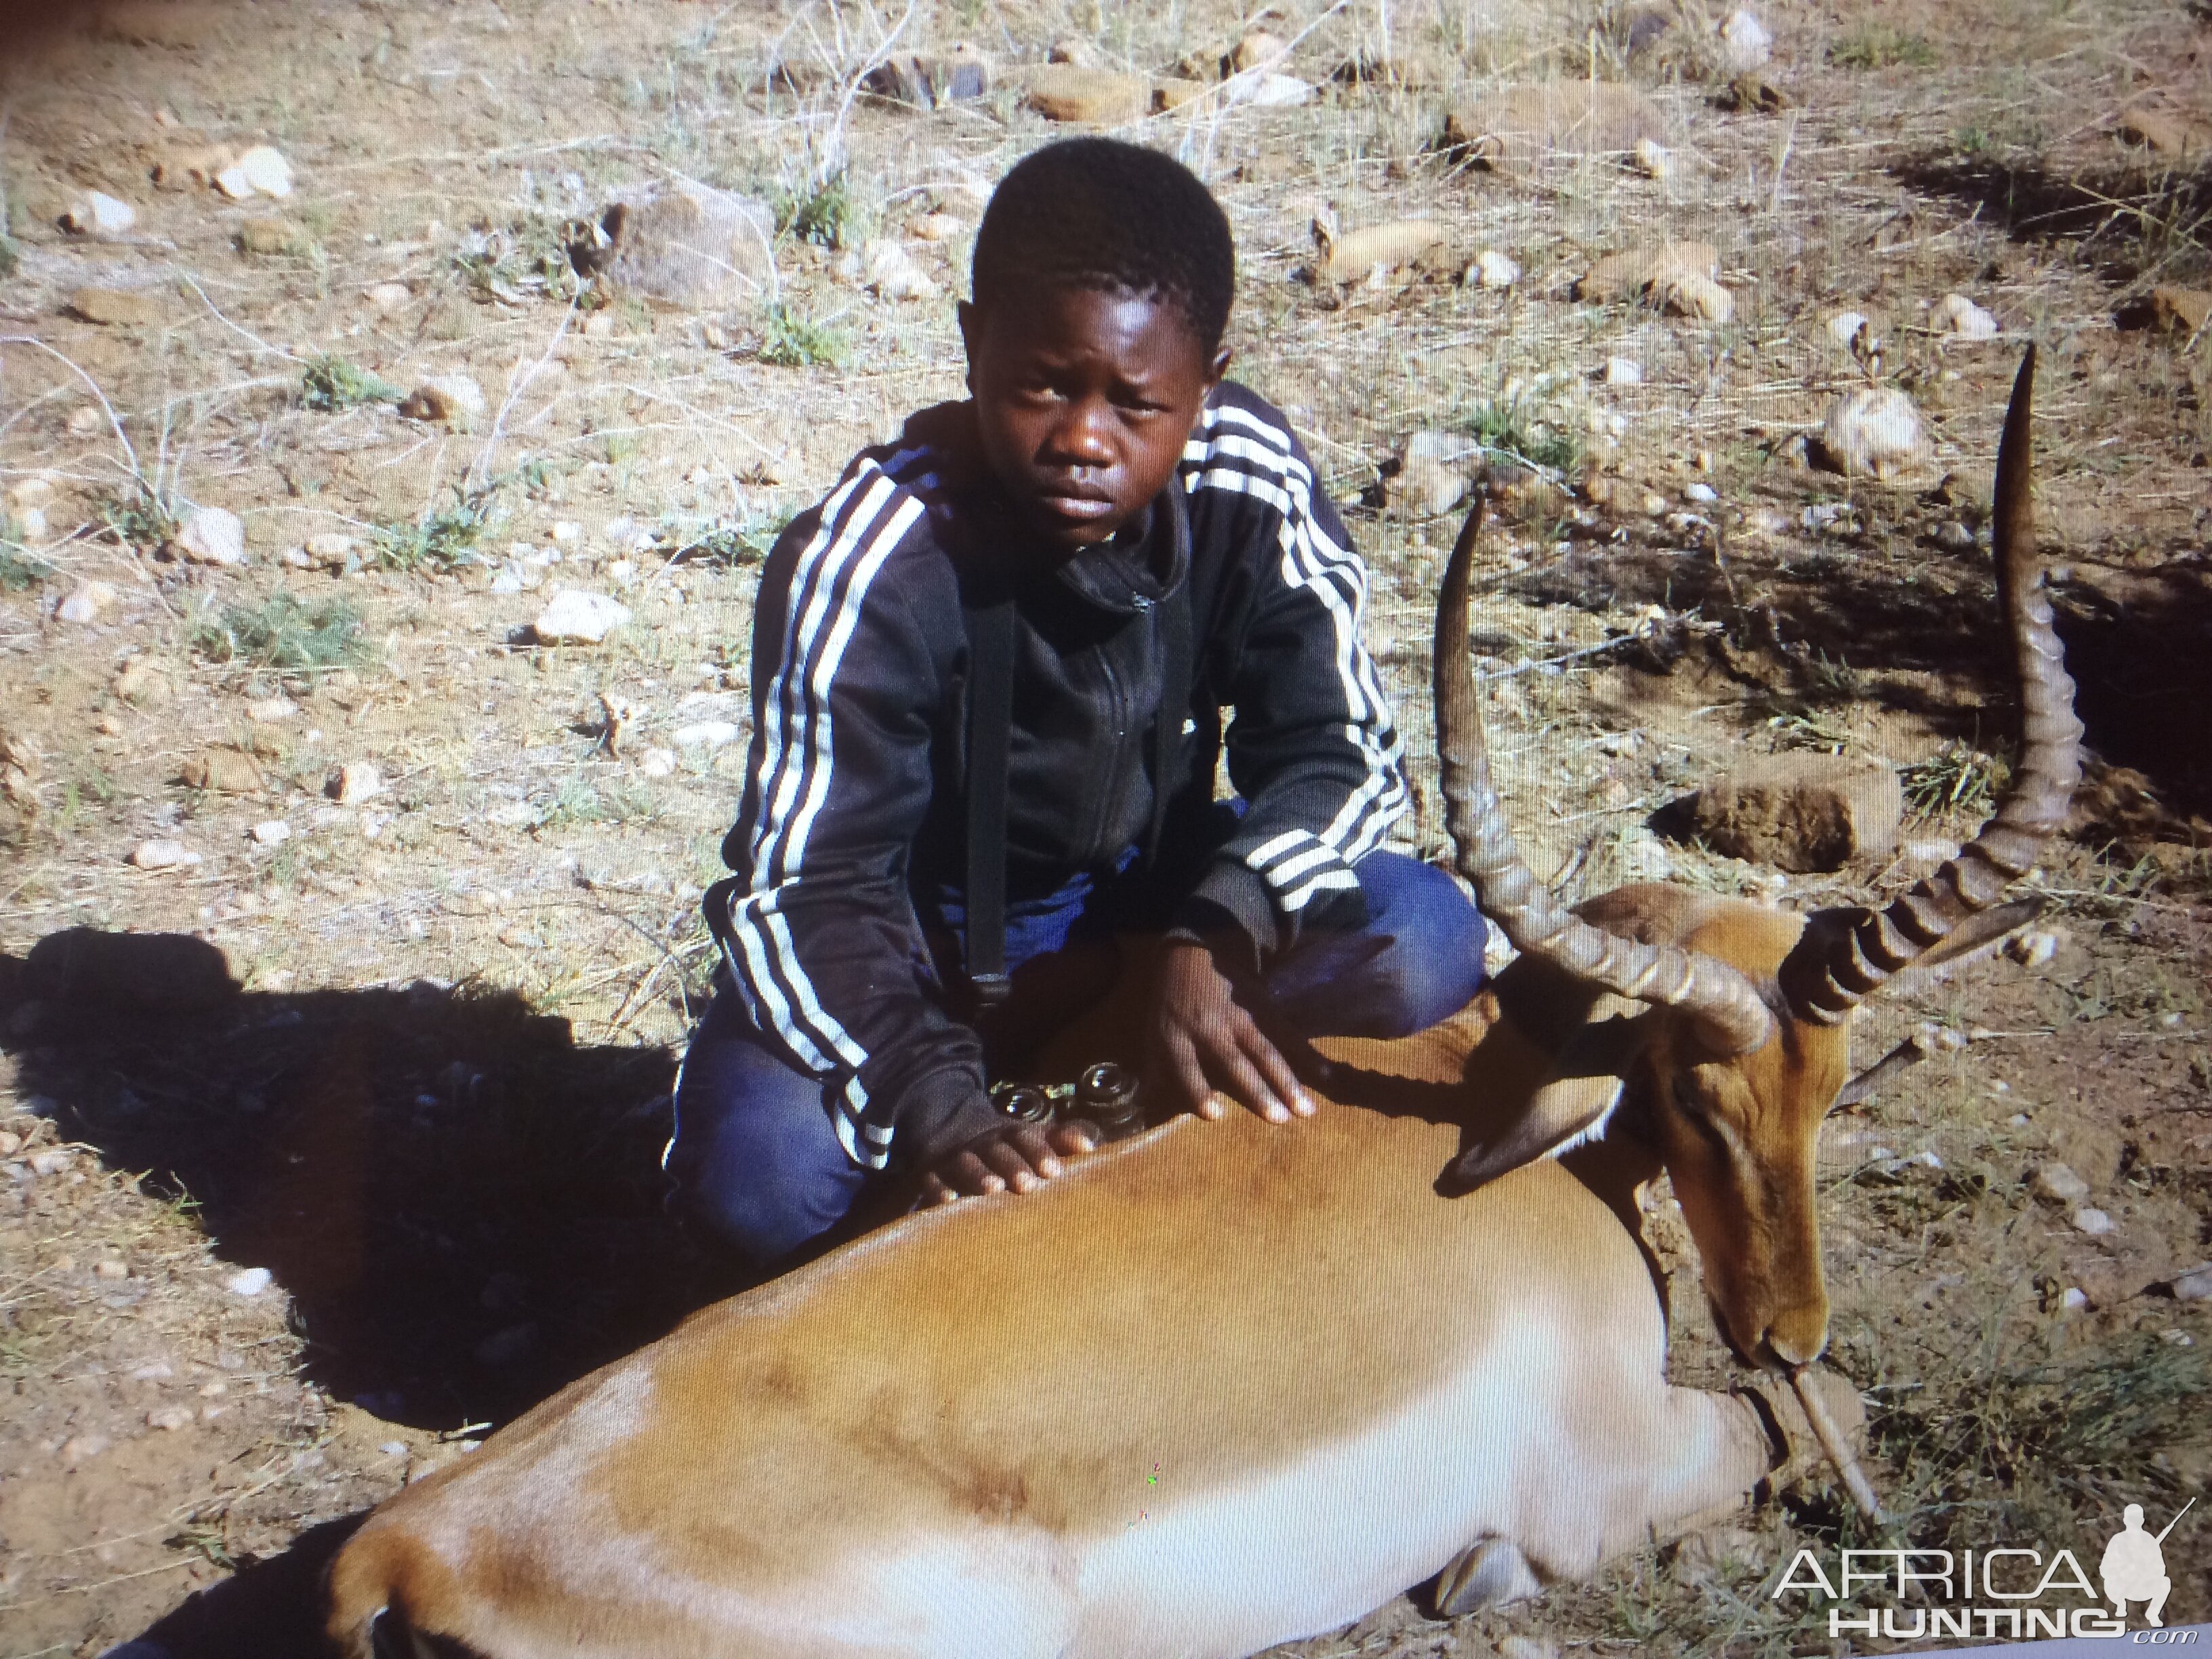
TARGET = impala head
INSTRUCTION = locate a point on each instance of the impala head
(1744, 1046)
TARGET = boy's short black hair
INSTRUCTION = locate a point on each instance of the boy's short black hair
(1097, 213)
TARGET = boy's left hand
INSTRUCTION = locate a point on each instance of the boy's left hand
(1204, 1043)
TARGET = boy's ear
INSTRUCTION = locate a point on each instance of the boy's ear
(1220, 368)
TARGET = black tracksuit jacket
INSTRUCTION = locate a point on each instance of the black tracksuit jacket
(855, 794)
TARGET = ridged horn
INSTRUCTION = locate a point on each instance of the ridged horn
(1724, 1005)
(1846, 955)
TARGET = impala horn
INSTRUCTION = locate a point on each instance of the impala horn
(1722, 1004)
(1845, 955)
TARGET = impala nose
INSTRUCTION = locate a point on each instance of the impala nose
(1797, 1337)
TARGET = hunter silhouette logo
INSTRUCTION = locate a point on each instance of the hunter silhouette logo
(2134, 1568)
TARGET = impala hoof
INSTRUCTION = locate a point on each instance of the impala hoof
(1485, 1575)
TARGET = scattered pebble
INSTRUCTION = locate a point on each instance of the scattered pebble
(85, 602)
(212, 535)
(1358, 255)
(1653, 161)
(1493, 269)
(269, 711)
(99, 215)
(1623, 371)
(2074, 1301)
(329, 550)
(2094, 1222)
(388, 296)
(1955, 537)
(1875, 429)
(1266, 89)
(1704, 494)
(1846, 327)
(170, 1418)
(455, 399)
(354, 783)
(53, 1161)
(2032, 949)
(705, 734)
(163, 855)
(113, 307)
(2195, 1286)
(575, 617)
(891, 272)
(141, 684)
(10, 1143)
(566, 532)
(223, 772)
(81, 1449)
(249, 1281)
(657, 763)
(1963, 319)
(261, 171)
(2059, 1184)
(272, 832)
(1069, 92)
(1745, 43)
(937, 227)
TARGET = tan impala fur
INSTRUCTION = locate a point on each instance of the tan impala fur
(1220, 1386)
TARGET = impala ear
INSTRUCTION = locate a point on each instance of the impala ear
(1569, 1107)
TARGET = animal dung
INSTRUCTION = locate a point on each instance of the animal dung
(1802, 812)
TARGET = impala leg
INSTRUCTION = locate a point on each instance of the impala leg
(1488, 1573)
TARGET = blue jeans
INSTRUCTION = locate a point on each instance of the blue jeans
(758, 1166)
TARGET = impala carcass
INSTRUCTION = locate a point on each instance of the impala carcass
(1227, 1384)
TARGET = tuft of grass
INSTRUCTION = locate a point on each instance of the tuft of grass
(438, 540)
(577, 802)
(1504, 429)
(143, 521)
(283, 632)
(1955, 778)
(332, 384)
(1881, 45)
(518, 265)
(19, 568)
(828, 214)
(791, 340)
(10, 257)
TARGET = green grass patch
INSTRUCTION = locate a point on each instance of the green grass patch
(1506, 429)
(440, 540)
(283, 632)
(518, 264)
(1957, 778)
(19, 568)
(332, 384)
(828, 214)
(792, 340)
(9, 258)
(577, 802)
(142, 521)
(1880, 46)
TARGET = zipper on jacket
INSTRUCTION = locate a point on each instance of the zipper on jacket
(1119, 703)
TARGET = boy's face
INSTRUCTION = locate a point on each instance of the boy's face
(1085, 399)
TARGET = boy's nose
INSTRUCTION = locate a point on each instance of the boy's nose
(1081, 437)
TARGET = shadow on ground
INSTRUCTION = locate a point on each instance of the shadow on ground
(464, 1205)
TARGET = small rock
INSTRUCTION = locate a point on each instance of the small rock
(2195, 1284)
(261, 171)
(1493, 269)
(353, 783)
(53, 1161)
(330, 550)
(1704, 494)
(575, 617)
(1623, 371)
(1172, 92)
(27, 493)
(456, 399)
(565, 532)
(272, 832)
(930, 81)
(2058, 1184)
(1423, 489)
(10, 1143)
(249, 1281)
(1067, 92)
(657, 763)
(1577, 117)
(110, 1268)
(99, 215)
(81, 1449)
(1260, 49)
(1745, 43)
(2034, 948)
(170, 1418)
(1357, 255)
(1687, 294)
(2075, 1301)
(272, 235)
(1963, 319)
(269, 711)
(1846, 327)
(1955, 537)
(1802, 812)
(2181, 310)
(1527, 1647)
(212, 535)
(1754, 95)
(704, 734)
(1681, 278)
(1443, 448)
(163, 855)
(2095, 1223)
(1265, 90)
(388, 296)
(1653, 161)
(114, 308)
(889, 269)
(683, 243)
(223, 771)
(1877, 430)
(2164, 131)
(937, 227)
(142, 684)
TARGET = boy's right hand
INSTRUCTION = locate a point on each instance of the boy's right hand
(1021, 1156)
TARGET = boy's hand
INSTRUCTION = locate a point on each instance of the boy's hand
(1021, 1156)
(1204, 1043)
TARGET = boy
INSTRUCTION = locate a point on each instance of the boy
(988, 672)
